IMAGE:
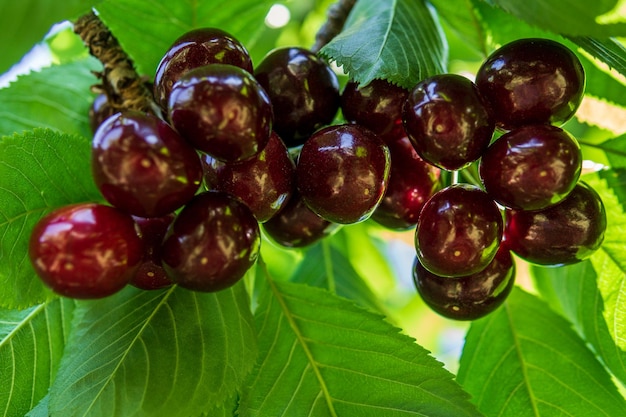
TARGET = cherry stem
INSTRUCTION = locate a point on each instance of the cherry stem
(124, 88)
(337, 15)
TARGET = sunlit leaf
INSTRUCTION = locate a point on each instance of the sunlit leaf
(398, 40)
(321, 355)
(526, 360)
(39, 171)
(31, 344)
(144, 353)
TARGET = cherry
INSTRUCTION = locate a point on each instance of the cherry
(377, 106)
(99, 111)
(296, 226)
(141, 165)
(459, 231)
(469, 297)
(264, 182)
(212, 242)
(342, 173)
(531, 167)
(448, 121)
(85, 250)
(411, 182)
(221, 110)
(197, 48)
(150, 275)
(303, 89)
(532, 81)
(563, 234)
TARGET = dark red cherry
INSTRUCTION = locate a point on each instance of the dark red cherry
(377, 106)
(194, 49)
(411, 182)
(221, 110)
(99, 111)
(85, 250)
(342, 173)
(264, 182)
(531, 167)
(459, 231)
(303, 89)
(142, 166)
(563, 234)
(296, 226)
(469, 297)
(150, 274)
(448, 121)
(212, 243)
(532, 81)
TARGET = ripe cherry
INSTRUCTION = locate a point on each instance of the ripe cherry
(150, 275)
(86, 250)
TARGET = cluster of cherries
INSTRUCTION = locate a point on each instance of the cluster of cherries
(237, 151)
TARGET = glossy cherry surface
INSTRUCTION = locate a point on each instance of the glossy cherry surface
(264, 182)
(99, 111)
(296, 226)
(212, 242)
(377, 106)
(141, 165)
(342, 173)
(411, 182)
(303, 89)
(194, 49)
(532, 81)
(563, 234)
(150, 274)
(469, 297)
(448, 121)
(221, 110)
(459, 231)
(86, 250)
(531, 167)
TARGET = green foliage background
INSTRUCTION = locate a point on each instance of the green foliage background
(336, 329)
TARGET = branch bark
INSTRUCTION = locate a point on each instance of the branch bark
(336, 17)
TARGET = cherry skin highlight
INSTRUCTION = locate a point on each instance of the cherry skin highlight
(531, 167)
(194, 49)
(264, 182)
(212, 243)
(303, 89)
(221, 110)
(469, 297)
(86, 250)
(563, 234)
(448, 121)
(459, 231)
(142, 166)
(532, 81)
(342, 173)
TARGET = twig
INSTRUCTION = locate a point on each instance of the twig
(124, 88)
(336, 18)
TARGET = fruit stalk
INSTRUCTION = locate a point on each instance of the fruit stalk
(337, 15)
(124, 88)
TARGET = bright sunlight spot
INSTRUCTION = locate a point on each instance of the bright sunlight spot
(278, 16)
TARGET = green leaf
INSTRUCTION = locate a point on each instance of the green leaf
(525, 360)
(615, 150)
(41, 409)
(321, 355)
(144, 353)
(399, 41)
(25, 23)
(609, 51)
(147, 29)
(31, 345)
(574, 289)
(325, 267)
(47, 99)
(462, 17)
(39, 171)
(570, 17)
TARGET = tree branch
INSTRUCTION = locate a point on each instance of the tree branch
(336, 18)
